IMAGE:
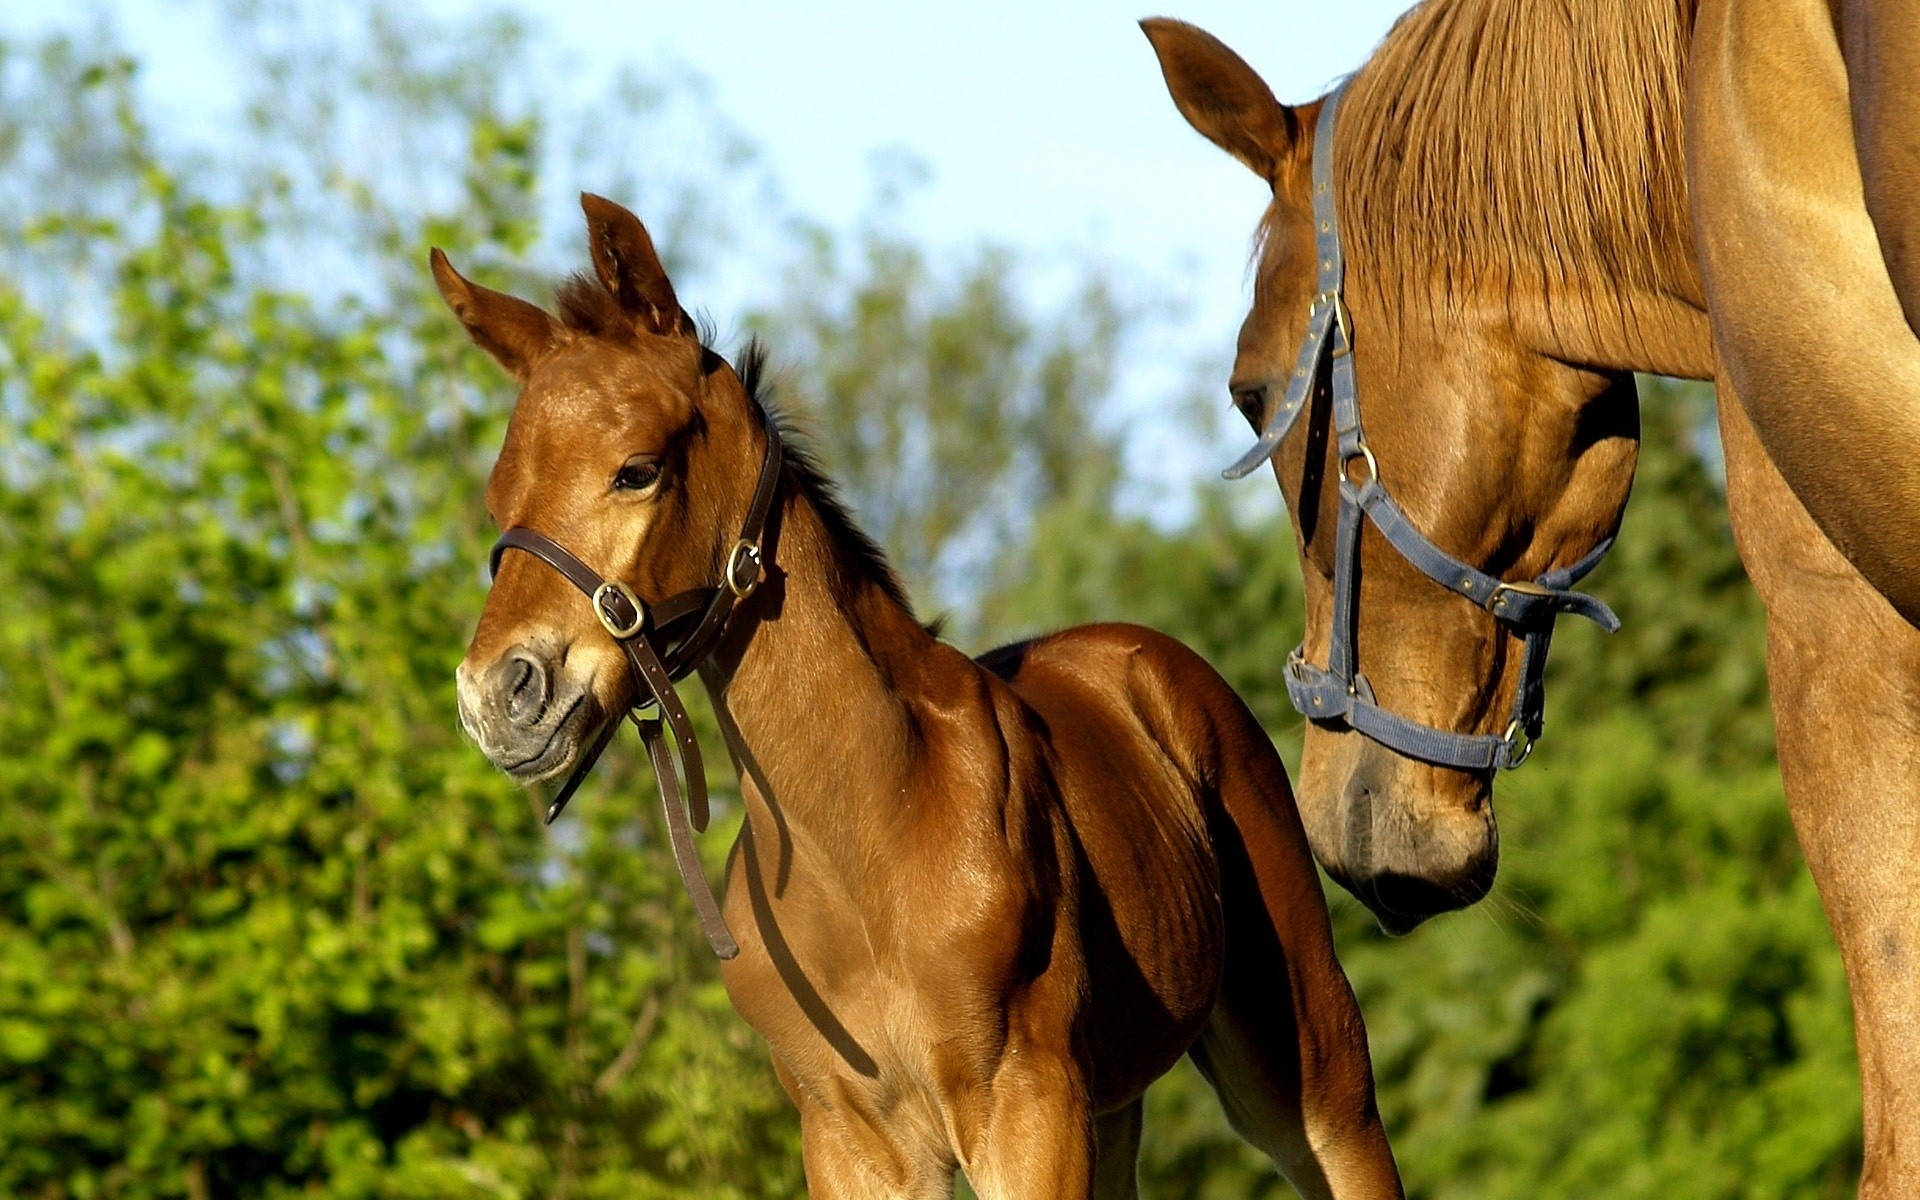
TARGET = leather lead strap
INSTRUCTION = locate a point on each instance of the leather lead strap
(672, 747)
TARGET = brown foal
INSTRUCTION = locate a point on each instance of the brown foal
(980, 905)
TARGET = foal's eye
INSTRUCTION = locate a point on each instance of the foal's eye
(637, 474)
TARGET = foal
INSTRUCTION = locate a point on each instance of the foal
(980, 906)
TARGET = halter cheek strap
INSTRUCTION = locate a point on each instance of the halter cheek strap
(1338, 691)
(689, 625)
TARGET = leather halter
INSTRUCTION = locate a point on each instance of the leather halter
(689, 626)
(1338, 691)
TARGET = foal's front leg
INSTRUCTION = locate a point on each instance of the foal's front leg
(848, 1163)
(1037, 1139)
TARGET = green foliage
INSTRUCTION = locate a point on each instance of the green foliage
(269, 927)
(266, 924)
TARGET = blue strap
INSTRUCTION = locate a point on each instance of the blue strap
(1338, 691)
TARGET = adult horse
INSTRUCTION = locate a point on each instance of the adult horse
(1506, 232)
(975, 907)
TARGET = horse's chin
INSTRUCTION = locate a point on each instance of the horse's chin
(1401, 904)
(1408, 841)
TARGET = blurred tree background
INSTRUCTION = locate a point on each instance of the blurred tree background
(268, 927)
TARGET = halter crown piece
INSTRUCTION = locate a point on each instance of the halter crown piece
(1338, 691)
(689, 625)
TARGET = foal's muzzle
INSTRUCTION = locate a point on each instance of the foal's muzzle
(523, 712)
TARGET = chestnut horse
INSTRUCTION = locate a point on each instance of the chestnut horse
(979, 905)
(1519, 220)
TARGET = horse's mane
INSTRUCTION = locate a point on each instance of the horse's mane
(1537, 136)
(858, 551)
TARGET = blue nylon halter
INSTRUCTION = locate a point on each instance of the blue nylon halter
(1338, 691)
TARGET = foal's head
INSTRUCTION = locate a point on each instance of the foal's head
(1502, 447)
(631, 444)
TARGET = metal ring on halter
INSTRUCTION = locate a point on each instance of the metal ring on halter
(615, 587)
(1519, 745)
(1364, 452)
(748, 552)
(1344, 344)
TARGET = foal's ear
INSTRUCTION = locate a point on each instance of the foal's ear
(1223, 97)
(515, 332)
(624, 258)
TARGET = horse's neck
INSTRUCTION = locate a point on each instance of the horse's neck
(812, 688)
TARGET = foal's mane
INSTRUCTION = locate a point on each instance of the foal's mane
(1540, 136)
(857, 550)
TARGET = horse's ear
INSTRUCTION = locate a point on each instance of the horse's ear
(624, 258)
(515, 332)
(1223, 97)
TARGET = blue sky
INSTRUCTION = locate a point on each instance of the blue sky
(1044, 126)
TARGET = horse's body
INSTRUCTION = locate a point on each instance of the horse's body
(1514, 179)
(979, 906)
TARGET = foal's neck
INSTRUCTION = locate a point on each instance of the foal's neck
(814, 681)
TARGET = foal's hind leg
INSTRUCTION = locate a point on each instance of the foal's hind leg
(1285, 1048)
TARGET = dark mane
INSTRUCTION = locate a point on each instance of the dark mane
(860, 552)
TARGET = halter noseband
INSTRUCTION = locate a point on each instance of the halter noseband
(1338, 691)
(689, 625)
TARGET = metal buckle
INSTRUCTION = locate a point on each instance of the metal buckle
(1526, 587)
(749, 552)
(626, 593)
(1518, 745)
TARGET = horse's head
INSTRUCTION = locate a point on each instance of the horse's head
(1503, 453)
(631, 445)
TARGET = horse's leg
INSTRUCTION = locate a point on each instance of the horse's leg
(1285, 1048)
(848, 1157)
(838, 1170)
(1036, 1137)
(1116, 1166)
(1845, 674)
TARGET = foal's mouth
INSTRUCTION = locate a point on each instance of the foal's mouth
(557, 753)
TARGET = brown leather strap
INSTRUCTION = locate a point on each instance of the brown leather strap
(680, 836)
(672, 747)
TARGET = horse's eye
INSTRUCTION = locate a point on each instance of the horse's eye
(1250, 401)
(637, 474)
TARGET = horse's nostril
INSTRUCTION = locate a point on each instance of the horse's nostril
(526, 689)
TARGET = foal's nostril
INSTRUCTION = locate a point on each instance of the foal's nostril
(527, 688)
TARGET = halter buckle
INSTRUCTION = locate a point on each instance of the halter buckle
(1496, 600)
(613, 587)
(1519, 746)
(747, 553)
